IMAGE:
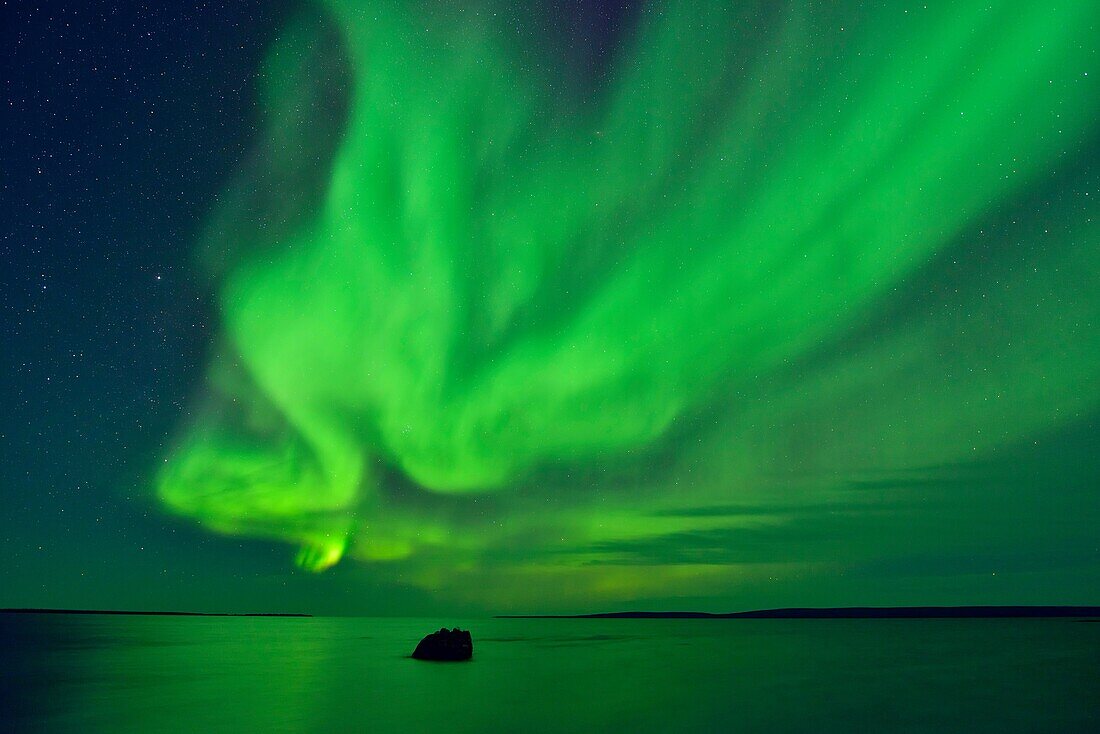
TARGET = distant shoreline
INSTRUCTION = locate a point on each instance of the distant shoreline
(969, 612)
(972, 612)
(146, 614)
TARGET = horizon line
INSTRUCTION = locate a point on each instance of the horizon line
(973, 611)
(854, 612)
(148, 613)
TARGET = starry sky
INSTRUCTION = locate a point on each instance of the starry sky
(423, 307)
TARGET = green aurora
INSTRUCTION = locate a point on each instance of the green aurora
(774, 285)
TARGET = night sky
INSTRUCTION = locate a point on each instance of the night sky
(410, 308)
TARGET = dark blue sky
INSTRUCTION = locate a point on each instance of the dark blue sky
(120, 126)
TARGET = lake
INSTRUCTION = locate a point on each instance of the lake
(211, 674)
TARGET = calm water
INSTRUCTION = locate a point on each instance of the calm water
(143, 674)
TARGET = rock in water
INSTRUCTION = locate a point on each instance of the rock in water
(445, 644)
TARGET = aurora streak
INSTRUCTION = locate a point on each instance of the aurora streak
(493, 319)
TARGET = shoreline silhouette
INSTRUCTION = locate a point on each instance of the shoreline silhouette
(924, 612)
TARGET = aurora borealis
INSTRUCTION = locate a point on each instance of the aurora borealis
(717, 302)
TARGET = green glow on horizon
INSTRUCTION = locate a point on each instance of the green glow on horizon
(525, 325)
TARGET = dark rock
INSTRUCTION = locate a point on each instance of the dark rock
(445, 644)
